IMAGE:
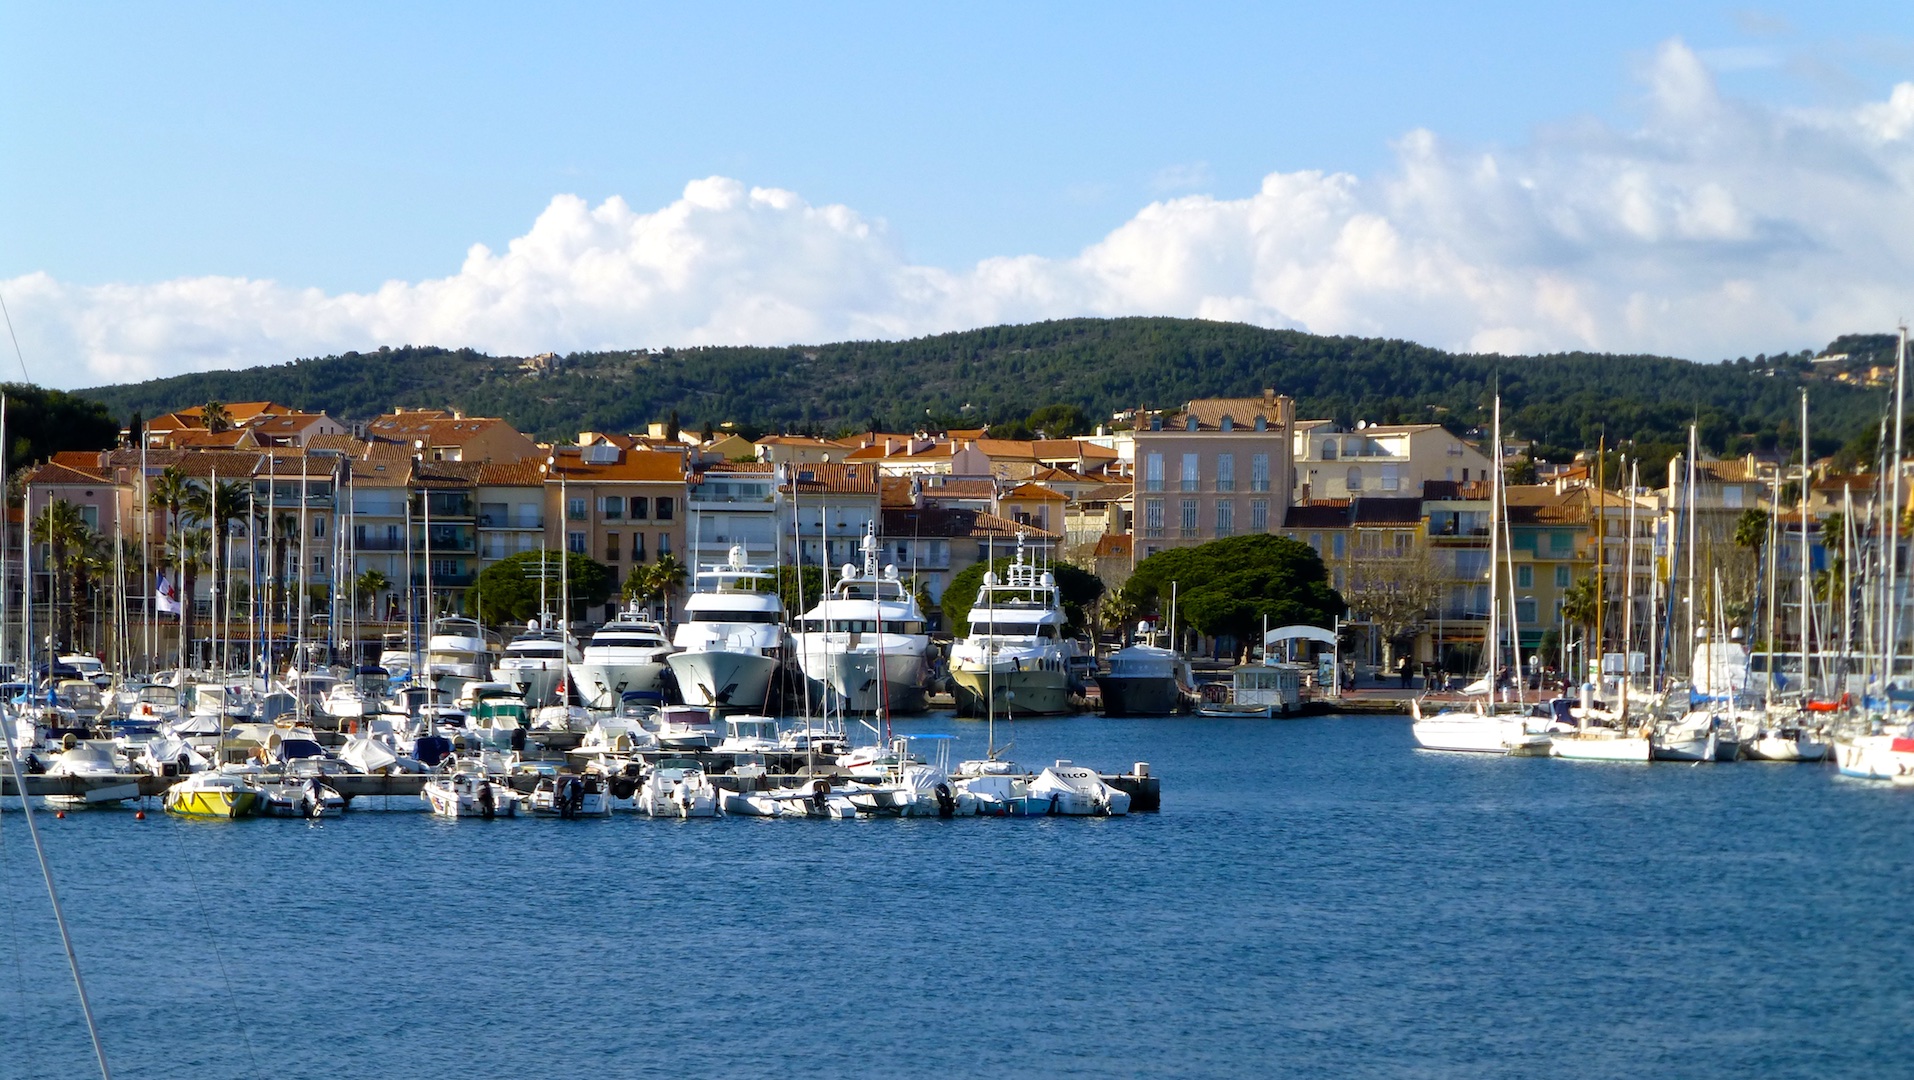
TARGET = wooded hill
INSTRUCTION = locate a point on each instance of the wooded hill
(1563, 402)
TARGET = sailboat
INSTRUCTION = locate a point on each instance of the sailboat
(1479, 728)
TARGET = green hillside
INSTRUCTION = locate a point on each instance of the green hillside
(1002, 373)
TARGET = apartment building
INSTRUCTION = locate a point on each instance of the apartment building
(1218, 467)
(622, 507)
(1386, 460)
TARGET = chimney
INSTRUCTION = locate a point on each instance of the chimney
(1269, 396)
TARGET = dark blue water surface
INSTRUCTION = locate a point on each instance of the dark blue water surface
(1316, 899)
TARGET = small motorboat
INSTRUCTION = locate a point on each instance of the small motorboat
(572, 795)
(467, 793)
(678, 789)
(1075, 791)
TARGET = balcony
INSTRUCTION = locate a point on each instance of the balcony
(446, 581)
(502, 521)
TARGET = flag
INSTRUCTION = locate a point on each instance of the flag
(165, 597)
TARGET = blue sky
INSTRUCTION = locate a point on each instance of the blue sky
(329, 149)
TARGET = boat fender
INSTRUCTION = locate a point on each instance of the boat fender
(946, 805)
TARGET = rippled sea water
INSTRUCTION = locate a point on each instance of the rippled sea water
(1316, 898)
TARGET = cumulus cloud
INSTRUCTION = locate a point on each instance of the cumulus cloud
(1707, 227)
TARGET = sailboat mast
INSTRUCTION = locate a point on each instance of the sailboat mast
(1891, 558)
(1494, 638)
(1807, 595)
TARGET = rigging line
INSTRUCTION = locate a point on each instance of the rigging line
(53, 894)
(225, 977)
(16, 339)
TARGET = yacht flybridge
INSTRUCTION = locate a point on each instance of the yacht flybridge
(731, 641)
(1016, 660)
(864, 648)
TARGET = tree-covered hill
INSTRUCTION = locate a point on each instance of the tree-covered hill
(1001, 373)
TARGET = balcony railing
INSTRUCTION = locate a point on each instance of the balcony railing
(499, 521)
(446, 581)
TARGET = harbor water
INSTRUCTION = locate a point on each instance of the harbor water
(1316, 898)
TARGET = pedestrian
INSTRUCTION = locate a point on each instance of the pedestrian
(1402, 670)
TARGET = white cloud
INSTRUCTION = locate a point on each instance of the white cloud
(1709, 227)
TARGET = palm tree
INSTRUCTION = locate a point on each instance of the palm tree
(1579, 604)
(666, 575)
(169, 491)
(64, 531)
(221, 506)
(186, 552)
(369, 585)
(215, 417)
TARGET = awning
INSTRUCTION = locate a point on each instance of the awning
(1307, 633)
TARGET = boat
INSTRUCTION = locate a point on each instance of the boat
(678, 788)
(1000, 795)
(470, 793)
(626, 655)
(89, 668)
(1146, 680)
(535, 662)
(1698, 735)
(1886, 756)
(1785, 741)
(1017, 658)
(572, 795)
(864, 648)
(749, 734)
(459, 650)
(300, 797)
(1271, 688)
(215, 793)
(1074, 791)
(731, 642)
(686, 727)
(96, 762)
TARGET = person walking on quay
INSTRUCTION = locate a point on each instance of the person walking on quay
(1402, 670)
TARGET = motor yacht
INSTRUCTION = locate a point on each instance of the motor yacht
(459, 650)
(1017, 659)
(535, 663)
(731, 642)
(863, 648)
(625, 655)
(1145, 680)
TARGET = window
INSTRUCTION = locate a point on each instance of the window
(1340, 541)
(611, 547)
(1354, 480)
(637, 547)
(319, 565)
(1153, 517)
(1329, 449)
(1525, 577)
(575, 543)
(1190, 472)
(575, 508)
(1153, 473)
(640, 508)
(1228, 423)
(1525, 610)
(1225, 519)
(612, 507)
(1189, 517)
(1391, 478)
(664, 514)
(664, 543)
(1560, 542)
(1226, 472)
(1731, 497)
(1259, 472)
(392, 537)
(319, 526)
(1561, 577)
(1259, 517)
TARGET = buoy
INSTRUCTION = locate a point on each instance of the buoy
(139, 815)
(60, 815)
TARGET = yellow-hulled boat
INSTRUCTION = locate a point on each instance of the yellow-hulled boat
(212, 795)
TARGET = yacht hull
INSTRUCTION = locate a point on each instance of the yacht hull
(538, 686)
(1583, 748)
(1685, 748)
(1140, 696)
(599, 683)
(720, 679)
(1475, 735)
(1874, 757)
(1795, 748)
(1011, 693)
(851, 681)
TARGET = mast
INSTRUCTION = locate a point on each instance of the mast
(1807, 594)
(1628, 604)
(146, 558)
(1601, 550)
(1493, 639)
(1891, 557)
(299, 577)
(1688, 496)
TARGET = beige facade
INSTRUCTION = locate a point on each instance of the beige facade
(1380, 460)
(624, 508)
(1219, 467)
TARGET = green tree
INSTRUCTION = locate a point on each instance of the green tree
(1080, 590)
(1061, 421)
(42, 422)
(799, 588)
(508, 590)
(1232, 586)
(185, 555)
(657, 580)
(214, 415)
(68, 539)
(368, 587)
(1579, 605)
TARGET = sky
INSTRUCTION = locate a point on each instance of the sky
(200, 185)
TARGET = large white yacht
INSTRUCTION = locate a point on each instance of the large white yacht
(459, 649)
(535, 662)
(863, 647)
(731, 641)
(626, 655)
(1016, 660)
